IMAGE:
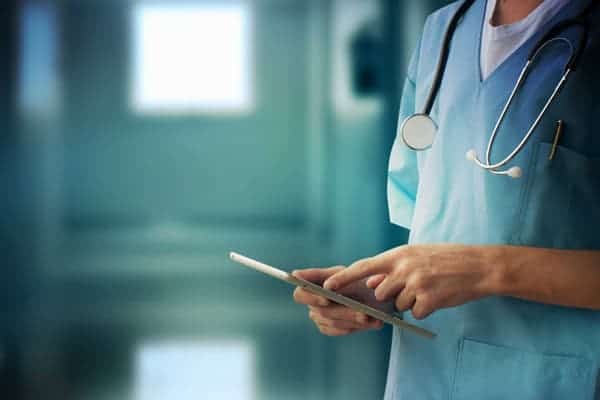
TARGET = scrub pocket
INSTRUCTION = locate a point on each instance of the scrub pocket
(560, 200)
(492, 372)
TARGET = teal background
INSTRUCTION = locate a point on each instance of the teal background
(115, 227)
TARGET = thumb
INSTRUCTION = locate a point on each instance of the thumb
(316, 275)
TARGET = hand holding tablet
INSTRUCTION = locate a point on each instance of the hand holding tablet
(333, 296)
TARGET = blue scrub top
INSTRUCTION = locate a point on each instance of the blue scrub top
(499, 347)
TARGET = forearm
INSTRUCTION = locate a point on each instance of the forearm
(561, 277)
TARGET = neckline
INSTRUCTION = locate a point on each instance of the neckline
(478, 49)
(498, 32)
(566, 12)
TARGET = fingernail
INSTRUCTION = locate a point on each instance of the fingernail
(323, 302)
(362, 318)
(330, 285)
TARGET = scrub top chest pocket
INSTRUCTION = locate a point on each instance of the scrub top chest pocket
(560, 205)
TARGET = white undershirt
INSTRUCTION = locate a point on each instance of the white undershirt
(499, 42)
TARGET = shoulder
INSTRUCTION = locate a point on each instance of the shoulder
(432, 36)
(445, 13)
(437, 22)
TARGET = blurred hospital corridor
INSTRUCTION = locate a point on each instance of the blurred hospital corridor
(141, 141)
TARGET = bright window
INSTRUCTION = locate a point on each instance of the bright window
(39, 91)
(191, 58)
(220, 370)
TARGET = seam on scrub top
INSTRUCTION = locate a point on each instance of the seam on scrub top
(525, 193)
(570, 207)
(400, 342)
(413, 82)
(596, 393)
(459, 355)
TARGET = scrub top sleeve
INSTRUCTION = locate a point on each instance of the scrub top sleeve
(403, 176)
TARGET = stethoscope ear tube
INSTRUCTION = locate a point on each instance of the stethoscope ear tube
(583, 40)
(576, 51)
(515, 172)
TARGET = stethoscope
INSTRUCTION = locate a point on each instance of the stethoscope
(419, 130)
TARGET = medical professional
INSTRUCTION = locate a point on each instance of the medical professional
(500, 188)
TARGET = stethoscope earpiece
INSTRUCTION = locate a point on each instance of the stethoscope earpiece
(513, 172)
(471, 155)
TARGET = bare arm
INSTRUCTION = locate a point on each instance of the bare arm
(561, 277)
(426, 278)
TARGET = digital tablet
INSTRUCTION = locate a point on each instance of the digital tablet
(333, 296)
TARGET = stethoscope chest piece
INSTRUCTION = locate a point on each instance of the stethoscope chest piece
(418, 132)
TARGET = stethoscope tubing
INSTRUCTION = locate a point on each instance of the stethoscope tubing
(521, 80)
(444, 56)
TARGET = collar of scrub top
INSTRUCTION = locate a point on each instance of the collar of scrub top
(419, 130)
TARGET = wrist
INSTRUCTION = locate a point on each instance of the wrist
(498, 273)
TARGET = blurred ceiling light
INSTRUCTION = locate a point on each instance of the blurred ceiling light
(215, 370)
(192, 58)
